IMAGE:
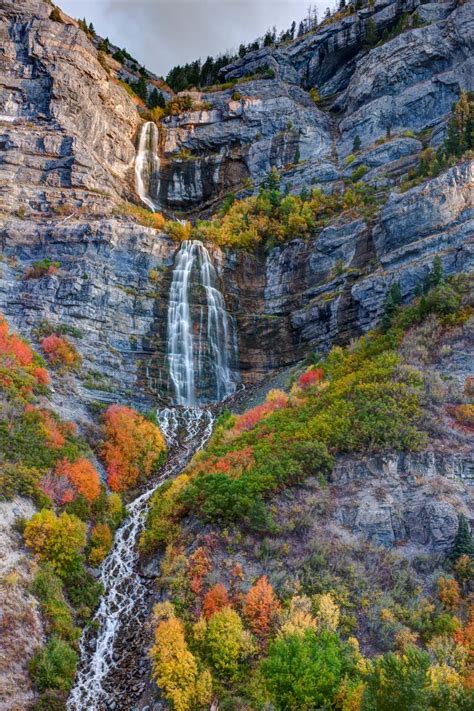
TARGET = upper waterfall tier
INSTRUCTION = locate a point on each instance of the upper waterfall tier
(147, 165)
(201, 339)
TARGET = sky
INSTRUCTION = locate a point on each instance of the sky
(163, 33)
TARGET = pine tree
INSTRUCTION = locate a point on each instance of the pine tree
(392, 302)
(356, 145)
(371, 34)
(463, 543)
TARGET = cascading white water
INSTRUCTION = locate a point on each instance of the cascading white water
(147, 165)
(199, 349)
(125, 592)
(212, 332)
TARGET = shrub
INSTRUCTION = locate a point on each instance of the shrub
(464, 414)
(236, 96)
(314, 94)
(100, 543)
(18, 479)
(60, 352)
(54, 666)
(58, 540)
(143, 216)
(398, 681)
(55, 15)
(47, 587)
(45, 267)
(82, 475)
(133, 447)
(359, 173)
(310, 378)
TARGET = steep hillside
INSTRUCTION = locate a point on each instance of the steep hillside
(315, 342)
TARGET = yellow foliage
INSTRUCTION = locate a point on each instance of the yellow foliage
(55, 539)
(175, 669)
(443, 675)
(449, 593)
(298, 618)
(328, 614)
(163, 611)
(405, 638)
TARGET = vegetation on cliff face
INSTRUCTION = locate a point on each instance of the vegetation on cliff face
(299, 646)
(43, 458)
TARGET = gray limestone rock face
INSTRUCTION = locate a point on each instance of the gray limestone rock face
(404, 500)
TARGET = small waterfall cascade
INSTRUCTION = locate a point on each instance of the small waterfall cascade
(123, 606)
(201, 339)
(147, 165)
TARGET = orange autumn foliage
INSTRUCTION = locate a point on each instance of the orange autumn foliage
(53, 430)
(465, 638)
(449, 593)
(199, 565)
(261, 607)
(132, 449)
(235, 462)
(82, 475)
(214, 600)
(16, 353)
(59, 352)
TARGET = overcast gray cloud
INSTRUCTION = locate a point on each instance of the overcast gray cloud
(162, 33)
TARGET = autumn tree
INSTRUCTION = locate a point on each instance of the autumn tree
(60, 352)
(214, 600)
(132, 449)
(58, 540)
(449, 593)
(100, 543)
(261, 607)
(82, 475)
(226, 641)
(175, 669)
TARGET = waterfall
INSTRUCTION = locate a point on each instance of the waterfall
(200, 333)
(124, 607)
(147, 165)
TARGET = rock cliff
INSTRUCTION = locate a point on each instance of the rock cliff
(69, 131)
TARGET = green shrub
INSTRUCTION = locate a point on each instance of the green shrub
(359, 173)
(54, 666)
(305, 671)
(48, 588)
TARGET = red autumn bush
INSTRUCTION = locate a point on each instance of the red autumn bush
(235, 462)
(310, 378)
(261, 607)
(60, 353)
(42, 376)
(214, 600)
(82, 475)
(57, 488)
(132, 449)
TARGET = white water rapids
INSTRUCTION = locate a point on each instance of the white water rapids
(125, 592)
